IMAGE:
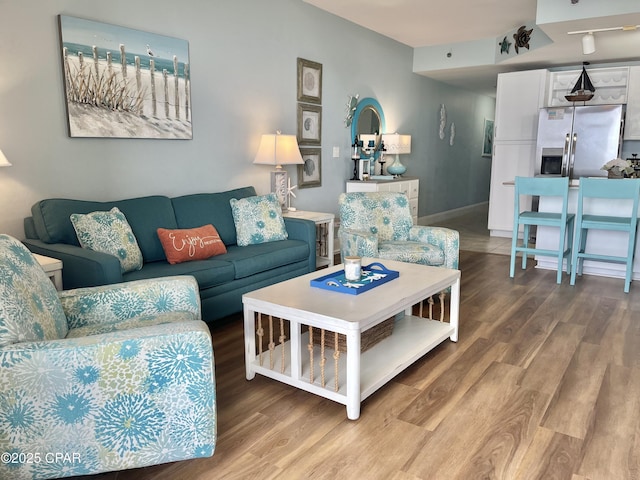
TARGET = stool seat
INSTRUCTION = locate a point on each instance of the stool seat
(539, 186)
(606, 189)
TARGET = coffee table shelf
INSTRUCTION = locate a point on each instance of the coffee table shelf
(379, 364)
(298, 305)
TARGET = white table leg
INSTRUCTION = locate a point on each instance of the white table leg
(353, 375)
(249, 343)
(454, 309)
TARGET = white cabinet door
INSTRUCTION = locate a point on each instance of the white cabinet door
(519, 96)
(632, 121)
(509, 161)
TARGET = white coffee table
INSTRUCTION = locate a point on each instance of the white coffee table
(352, 376)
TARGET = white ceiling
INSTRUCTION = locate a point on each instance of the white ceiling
(429, 23)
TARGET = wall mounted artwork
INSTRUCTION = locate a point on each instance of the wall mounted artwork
(309, 81)
(487, 138)
(309, 124)
(310, 173)
(124, 83)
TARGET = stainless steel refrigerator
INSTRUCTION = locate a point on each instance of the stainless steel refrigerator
(582, 139)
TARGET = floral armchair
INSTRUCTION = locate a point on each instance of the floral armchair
(100, 379)
(379, 225)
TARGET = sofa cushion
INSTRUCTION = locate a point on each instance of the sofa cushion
(262, 257)
(109, 232)
(258, 220)
(188, 244)
(208, 273)
(144, 214)
(203, 208)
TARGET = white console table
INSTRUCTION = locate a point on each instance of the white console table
(407, 185)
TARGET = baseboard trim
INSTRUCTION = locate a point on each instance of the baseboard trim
(479, 208)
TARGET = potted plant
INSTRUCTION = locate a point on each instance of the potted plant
(618, 168)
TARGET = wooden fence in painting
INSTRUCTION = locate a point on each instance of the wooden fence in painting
(101, 86)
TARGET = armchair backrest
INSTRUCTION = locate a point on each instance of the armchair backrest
(30, 309)
(386, 214)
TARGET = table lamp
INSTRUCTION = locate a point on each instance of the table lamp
(3, 160)
(277, 149)
(397, 144)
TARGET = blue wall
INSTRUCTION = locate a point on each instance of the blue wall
(243, 63)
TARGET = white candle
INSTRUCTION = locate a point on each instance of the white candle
(352, 268)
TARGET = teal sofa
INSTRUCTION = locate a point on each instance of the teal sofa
(222, 279)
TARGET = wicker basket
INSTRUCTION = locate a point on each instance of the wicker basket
(368, 338)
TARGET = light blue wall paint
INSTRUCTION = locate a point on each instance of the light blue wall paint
(243, 62)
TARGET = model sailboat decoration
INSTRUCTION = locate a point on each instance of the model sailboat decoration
(583, 89)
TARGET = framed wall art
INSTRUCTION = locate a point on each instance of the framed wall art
(309, 81)
(309, 124)
(487, 138)
(310, 173)
(124, 83)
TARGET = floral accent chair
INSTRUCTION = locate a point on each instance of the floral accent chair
(380, 225)
(100, 379)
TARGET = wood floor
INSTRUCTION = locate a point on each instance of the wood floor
(544, 382)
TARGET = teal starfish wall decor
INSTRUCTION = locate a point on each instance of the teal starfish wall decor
(504, 46)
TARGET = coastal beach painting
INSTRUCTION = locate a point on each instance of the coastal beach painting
(124, 83)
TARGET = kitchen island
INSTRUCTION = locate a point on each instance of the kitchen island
(598, 241)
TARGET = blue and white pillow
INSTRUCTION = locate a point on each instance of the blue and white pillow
(258, 220)
(109, 232)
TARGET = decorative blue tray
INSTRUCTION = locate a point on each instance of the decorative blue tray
(373, 275)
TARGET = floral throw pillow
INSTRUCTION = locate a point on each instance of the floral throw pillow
(258, 220)
(109, 232)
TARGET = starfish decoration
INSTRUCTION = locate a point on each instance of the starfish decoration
(290, 193)
(504, 46)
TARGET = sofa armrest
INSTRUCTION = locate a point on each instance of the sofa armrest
(81, 267)
(357, 243)
(446, 239)
(119, 302)
(305, 230)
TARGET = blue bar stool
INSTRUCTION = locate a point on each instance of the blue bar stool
(608, 189)
(540, 186)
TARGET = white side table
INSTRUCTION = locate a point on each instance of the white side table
(52, 267)
(324, 233)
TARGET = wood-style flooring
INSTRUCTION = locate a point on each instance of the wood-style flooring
(544, 382)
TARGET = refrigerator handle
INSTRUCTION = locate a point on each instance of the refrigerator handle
(565, 158)
(573, 154)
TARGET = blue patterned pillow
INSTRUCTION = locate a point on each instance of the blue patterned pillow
(258, 220)
(109, 232)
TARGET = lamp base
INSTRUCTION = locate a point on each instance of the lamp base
(396, 168)
(279, 186)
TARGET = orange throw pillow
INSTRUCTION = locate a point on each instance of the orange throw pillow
(189, 244)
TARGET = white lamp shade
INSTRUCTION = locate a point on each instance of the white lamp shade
(277, 149)
(3, 160)
(396, 143)
(588, 43)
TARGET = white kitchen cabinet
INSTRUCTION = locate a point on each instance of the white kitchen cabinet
(632, 121)
(519, 96)
(509, 161)
(407, 185)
